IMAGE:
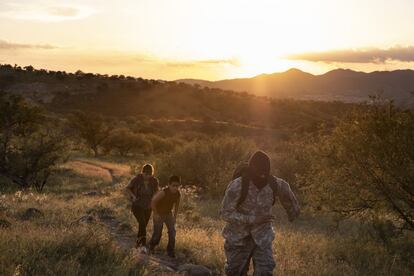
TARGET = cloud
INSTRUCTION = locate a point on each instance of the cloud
(207, 62)
(44, 11)
(64, 11)
(363, 55)
(5, 45)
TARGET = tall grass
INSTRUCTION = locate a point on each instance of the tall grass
(54, 243)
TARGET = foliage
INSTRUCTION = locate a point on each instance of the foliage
(163, 145)
(124, 142)
(208, 164)
(365, 166)
(30, 148)
(90, 128)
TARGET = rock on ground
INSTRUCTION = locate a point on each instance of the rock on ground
(31, 213)
(194, 270)
(4, 223)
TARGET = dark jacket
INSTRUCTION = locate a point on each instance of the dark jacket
(143, 194)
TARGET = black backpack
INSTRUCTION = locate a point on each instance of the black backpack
(242, 171)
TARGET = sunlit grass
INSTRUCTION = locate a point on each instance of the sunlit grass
(56, 243)
(88, 170)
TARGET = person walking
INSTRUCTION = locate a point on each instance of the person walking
(165, 206)
(247, 211)
(141, 189)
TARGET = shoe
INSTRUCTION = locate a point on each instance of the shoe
(144, 250)
(140, 242)
(171, 254)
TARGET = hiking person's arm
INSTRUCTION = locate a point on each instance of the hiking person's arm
(156, 185)
(176, 205)
(229, 211)
(157, 197)
(288, 200)
(128, 190)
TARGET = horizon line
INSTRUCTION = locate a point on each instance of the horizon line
(189, 79)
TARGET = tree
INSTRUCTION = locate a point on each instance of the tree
(91, 128)
(30, 149)
(17, 118)
(35, 158)
(29, 68)
(365, 166)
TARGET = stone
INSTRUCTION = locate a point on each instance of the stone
(31, 213)
(4, 223)
(87, 219)
(91, 193)
(194, 270)
(124, 227)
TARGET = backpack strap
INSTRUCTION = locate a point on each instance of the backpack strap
(274, 185)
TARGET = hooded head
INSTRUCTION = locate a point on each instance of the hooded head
(259, 168)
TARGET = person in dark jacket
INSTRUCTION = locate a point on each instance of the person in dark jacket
(165, 206)
(141, 190)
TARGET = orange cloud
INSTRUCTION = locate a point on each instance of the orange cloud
(365, 55)
(44, 11)
(5, 45)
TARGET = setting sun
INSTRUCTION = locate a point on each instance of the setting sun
(203, 39)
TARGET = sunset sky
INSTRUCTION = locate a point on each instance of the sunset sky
(207, 39)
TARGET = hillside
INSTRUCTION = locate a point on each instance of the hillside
(79, 217)
(342, 85)
(120, 96)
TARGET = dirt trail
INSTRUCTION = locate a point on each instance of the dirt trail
(115, 172)
(125, 238)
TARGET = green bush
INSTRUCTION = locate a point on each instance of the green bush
(124, 142)
(90, 128)
(365, 166)
(30, 149)
(162, 145)
(208, 164)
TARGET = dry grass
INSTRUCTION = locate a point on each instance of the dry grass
(119, 170)
(88, 170)
(52, 244)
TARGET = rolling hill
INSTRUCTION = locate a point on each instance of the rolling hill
(341, 85)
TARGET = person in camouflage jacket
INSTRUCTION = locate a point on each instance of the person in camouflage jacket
(248, 232)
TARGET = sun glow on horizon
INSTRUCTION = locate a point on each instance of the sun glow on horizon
(212, 40)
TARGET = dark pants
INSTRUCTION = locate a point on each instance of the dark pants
(142, 215)
(169, 220)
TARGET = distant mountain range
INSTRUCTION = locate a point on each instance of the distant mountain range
(341, 85)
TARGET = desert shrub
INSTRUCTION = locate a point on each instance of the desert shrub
(365, 166)
(30, 148)
(162, 145)
(90, 128)
(125, 142)
(289, 161)
(208, 164)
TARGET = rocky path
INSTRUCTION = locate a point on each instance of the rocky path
(157, 264)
